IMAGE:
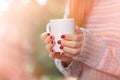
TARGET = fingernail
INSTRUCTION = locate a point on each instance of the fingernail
(63, 36)
(48, 34)
(61, 47)
(59, 41)
(51, 42)
(51, 37)
(51, 50)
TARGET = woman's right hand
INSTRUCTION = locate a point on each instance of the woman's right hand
(48, 39)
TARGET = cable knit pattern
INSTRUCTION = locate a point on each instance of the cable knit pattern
(92, 48)
(100, 54)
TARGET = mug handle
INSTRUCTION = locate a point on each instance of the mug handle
(48, 27)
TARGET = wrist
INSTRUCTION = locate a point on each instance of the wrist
(66, 63)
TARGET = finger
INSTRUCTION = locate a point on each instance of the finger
(78, 31)
(45, 35)
(67, 54)
(72, 51)
(58, 56)
(71, 44)
(72, 37)
(50, 46)
(49, 39)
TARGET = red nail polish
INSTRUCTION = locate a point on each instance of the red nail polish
(51, 50)
(63, 36)
(51, 37)
(48, 34)
(61, 47)
(59, 41)
(51, 42)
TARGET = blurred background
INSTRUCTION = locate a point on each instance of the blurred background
(50, 10)
(21, 23)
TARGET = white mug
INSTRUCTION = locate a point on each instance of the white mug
(58, 27)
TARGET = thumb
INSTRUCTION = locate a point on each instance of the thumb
(78, 31)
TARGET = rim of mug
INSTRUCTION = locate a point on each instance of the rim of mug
(52, 20)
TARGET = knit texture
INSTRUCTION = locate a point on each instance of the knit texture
(100, 54)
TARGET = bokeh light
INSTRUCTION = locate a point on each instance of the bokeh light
(4, 5)
(42, 2)
(21, 24)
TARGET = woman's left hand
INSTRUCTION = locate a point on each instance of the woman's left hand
(71, 43)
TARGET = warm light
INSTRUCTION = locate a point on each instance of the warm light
(42, 2)
(25, 1)
(4, 5)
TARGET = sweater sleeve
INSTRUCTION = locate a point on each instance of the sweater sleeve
(98, 55)
(73, 69)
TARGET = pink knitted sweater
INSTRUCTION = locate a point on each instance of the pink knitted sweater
(100, 55)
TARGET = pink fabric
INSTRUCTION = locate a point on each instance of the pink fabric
(99, 58)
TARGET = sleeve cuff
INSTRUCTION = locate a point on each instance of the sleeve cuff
(91, 50)
(73, 69)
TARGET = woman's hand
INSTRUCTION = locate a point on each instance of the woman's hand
(70, 44)
(50, 42)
